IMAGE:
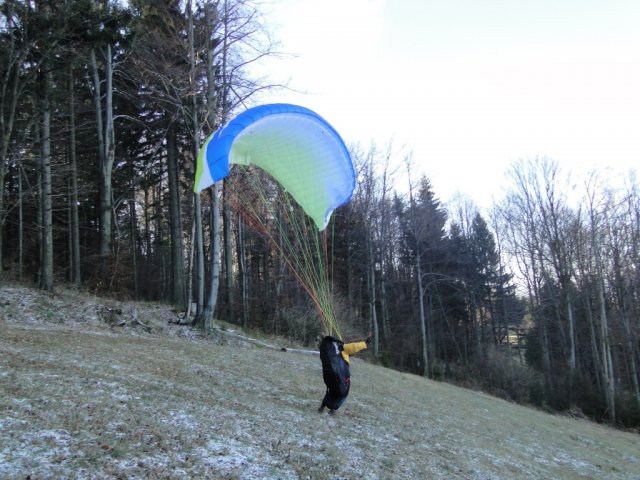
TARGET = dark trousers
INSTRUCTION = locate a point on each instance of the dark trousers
(337, 386)
(334, 402)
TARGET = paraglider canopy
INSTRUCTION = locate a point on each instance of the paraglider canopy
(296, 146)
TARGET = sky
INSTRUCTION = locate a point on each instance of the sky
(468, 86)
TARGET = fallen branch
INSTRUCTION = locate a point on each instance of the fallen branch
(146, 327)
(298, 350)
(134, 317)
(233, 334)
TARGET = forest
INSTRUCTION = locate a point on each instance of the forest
(103, 108)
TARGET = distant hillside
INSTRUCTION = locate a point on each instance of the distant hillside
(94, 388)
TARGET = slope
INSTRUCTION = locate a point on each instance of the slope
(92, 388)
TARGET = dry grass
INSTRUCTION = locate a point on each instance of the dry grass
(82, 399)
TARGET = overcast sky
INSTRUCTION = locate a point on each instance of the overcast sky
(469, 86)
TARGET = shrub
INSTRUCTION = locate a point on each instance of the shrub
(300, 324)
(499, 373)
(628, 411)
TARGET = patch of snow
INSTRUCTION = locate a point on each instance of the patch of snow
(22, 403)
(121, 395)
(182, 420)
(37, 450)
(7, 422)
(247, 462)
(564, 458)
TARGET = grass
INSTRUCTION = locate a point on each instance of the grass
(82, 399)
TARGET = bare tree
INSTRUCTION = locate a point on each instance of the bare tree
(522, 241)
(628, 280)
(106, 140)
(237, 40)
(366, 199)
(596, 231)
(556, 226)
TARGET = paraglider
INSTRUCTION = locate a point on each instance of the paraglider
(296, 146)
(309, 161)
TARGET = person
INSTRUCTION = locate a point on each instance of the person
(334, 355)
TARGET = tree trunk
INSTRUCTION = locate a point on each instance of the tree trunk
(212, 103)
(596, 358)
(134, 240)
(175, 224)
(242, 269)
(106, 145)
(74, 224)
(423, 323)
(384, 304)
(160, 238)
(371, 284)
(197, 241)
(149, 250)
(418, 270)
(228, 255)
(607, 361)
(572, 336)
(215, 258)
(199, 250)
(20, 227)
(46, 275)
(37, 137)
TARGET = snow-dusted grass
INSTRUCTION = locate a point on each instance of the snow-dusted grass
(81, 399)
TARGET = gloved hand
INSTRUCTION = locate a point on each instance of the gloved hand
(368, 339)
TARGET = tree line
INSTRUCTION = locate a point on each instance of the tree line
(103, 108)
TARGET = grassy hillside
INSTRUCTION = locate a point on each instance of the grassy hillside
(88, 392)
